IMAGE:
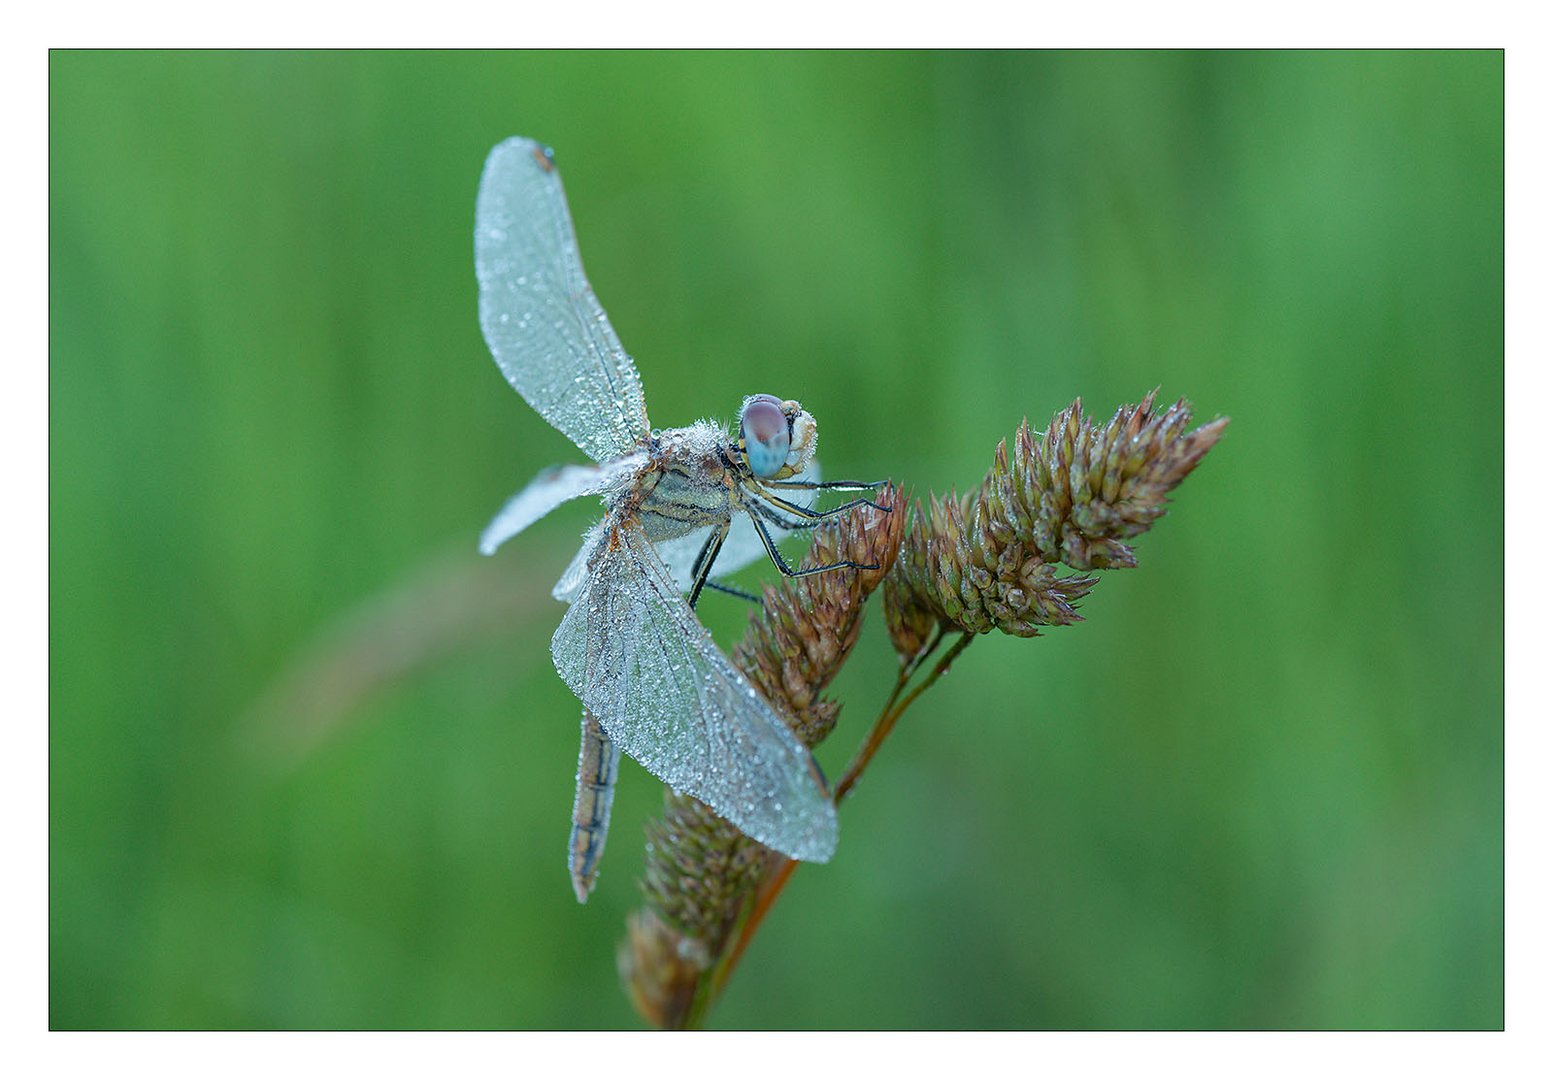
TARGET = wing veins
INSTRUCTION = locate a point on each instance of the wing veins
(706, 732)
(547, 331)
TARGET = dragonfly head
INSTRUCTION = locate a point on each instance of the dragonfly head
(778, 437)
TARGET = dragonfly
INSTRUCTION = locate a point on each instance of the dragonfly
(683, 507)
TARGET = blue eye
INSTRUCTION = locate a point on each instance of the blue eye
(763, 426)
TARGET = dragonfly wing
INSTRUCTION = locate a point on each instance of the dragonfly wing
(678, 556)
(576, 574)
(546, 329)
(741, 547)
(632, 650)
(550, 489)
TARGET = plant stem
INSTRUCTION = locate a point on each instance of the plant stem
(894, 706)
(888, 716)
(769, 890)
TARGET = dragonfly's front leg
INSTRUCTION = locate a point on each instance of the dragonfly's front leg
(826, 485)
(781, 563)
(820, 515)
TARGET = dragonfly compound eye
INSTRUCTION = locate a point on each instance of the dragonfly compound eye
(766, 434)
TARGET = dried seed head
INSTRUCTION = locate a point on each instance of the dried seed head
(988, 561)
(660, 981)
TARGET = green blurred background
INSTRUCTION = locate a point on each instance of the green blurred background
(310, 765)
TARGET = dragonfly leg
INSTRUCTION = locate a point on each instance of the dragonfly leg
(826, 485)
(781, 563)
(774, 518)
(820, 515)
(703, 564)
(731, 591)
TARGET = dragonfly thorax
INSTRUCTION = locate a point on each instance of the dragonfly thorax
(689, 482)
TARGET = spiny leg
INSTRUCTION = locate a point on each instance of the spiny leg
(774, 518)
(781, 563)
(703, 564)
(731, 591)
(826, 485)
(701, 575)
(819, 515)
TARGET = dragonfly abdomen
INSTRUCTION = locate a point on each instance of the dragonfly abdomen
(598, 762)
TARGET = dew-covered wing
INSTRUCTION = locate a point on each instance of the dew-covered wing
(742, 545)
(575, 576)
(546, 329)
(550, 489)
(632, 650)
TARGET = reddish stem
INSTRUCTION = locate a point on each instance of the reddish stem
(772, 887)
